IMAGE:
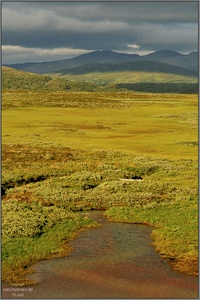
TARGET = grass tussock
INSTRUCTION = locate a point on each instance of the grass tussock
(37, 232)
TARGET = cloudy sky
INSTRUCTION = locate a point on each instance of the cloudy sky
(47, 31)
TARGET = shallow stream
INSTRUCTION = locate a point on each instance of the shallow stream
(116, 260)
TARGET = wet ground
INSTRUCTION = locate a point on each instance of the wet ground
(113, 261)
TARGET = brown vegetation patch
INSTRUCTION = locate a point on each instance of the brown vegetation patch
(189, 266)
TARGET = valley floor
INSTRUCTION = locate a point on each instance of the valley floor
(68, 151)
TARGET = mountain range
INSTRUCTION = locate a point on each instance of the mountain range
(139, 66)
(110, 61)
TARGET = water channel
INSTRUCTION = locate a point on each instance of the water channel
(116, 260)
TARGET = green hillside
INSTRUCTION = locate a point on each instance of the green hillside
(142, 81)
(15, 79)
(20, 80)
(131, 77)
(136, 81)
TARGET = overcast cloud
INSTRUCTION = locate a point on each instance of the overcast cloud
(45, 31)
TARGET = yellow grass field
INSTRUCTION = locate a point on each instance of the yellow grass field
(161, 125)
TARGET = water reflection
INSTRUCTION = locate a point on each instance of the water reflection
(113, 261)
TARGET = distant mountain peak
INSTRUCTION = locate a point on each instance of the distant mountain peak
(164, 54)
(166, 51)
(188, 61)
(108, 51)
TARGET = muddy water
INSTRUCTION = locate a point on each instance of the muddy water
(113, 261)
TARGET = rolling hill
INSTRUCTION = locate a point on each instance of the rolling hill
(16, 79)
(139, 66)
(189, 61)
(20, 80)
(13, 79)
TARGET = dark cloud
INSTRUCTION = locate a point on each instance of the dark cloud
(120, 26)
(163, 11)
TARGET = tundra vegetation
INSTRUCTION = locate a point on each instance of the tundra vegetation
(64, 152)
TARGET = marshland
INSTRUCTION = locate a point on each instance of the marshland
(64, 152)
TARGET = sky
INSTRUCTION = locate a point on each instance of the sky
(47, 31)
